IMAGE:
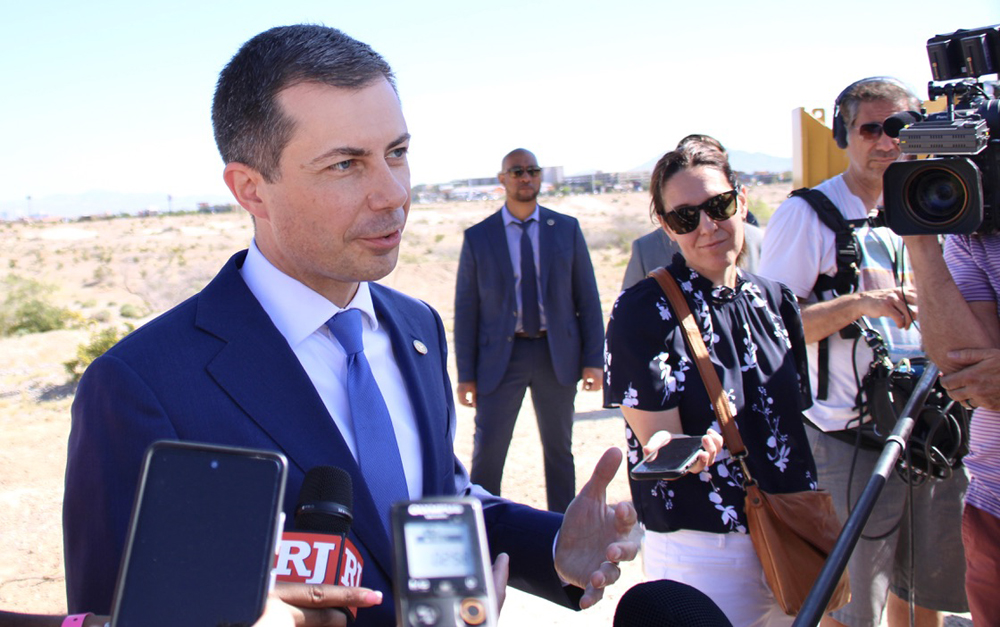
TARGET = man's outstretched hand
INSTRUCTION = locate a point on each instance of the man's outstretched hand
(594, 536)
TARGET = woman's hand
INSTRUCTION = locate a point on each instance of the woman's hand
(712, 443)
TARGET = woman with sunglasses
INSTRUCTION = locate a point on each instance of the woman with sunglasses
(695, 527)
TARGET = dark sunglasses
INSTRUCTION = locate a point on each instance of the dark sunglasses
(871, 131)
(685, 219)
(517, 171)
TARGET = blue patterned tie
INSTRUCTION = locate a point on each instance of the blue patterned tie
(378, 454)
(531, 317)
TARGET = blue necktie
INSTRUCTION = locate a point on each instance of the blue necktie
(378, 454)
(531, 317)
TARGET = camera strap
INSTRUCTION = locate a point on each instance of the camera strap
(844, 281)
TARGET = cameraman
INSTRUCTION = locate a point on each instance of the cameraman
(798, 250)
(961, 332)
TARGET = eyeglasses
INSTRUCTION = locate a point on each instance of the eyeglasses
(685, 219)
(517, 171)
(871, 131)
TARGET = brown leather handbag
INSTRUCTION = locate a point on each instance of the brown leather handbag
(792, 533)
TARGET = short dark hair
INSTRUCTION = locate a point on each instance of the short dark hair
(250, 126)
(687, 155)
(700, 138)
(874, 89)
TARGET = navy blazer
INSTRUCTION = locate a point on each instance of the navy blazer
(486, 301)
(215, 369)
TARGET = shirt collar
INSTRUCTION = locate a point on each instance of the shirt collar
(508, 217)
(294, 308)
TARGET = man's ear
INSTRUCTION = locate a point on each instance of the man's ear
(744, 203)
(244, 182)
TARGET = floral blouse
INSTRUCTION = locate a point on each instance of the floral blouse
(754, 337)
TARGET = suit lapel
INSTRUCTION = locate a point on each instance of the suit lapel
(497, 241)
(264, 377)
(412, 348)
(546, 245)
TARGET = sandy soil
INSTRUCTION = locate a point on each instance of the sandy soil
(150, 264)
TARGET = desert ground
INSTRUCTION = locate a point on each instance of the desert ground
(126, 270)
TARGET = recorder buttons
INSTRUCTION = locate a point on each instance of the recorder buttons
(424, 615)
(472, 611)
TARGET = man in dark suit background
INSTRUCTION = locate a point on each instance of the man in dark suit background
(310, 127)
(527, 315)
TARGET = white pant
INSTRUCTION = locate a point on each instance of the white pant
(722, 565)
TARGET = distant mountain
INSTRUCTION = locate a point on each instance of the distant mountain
(740, 160)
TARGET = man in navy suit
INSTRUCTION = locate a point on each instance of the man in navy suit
(527, 315)
(309, 125)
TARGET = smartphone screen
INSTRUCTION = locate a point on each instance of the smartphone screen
(202, 537)
(671, 462)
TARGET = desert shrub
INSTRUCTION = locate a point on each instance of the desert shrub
(128, 310)
(26, 308)
(761, 210)
(98, 344)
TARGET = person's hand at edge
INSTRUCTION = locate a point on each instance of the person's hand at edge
(501, 572)
(315, 605)
(977, 384)
(595, 537)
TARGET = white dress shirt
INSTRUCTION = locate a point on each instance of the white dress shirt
(300, 314)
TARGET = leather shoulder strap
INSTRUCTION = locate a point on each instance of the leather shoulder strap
(720, 402)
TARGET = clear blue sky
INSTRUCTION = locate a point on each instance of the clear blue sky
(115, 95)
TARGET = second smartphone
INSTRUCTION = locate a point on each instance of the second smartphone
(202, 538)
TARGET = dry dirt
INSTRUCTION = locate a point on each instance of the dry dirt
(103, 269)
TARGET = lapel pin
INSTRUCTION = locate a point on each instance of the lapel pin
(420, 347)
(550, 222)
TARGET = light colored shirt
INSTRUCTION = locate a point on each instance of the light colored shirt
(300, 314)
(797, 248)
(513, 230)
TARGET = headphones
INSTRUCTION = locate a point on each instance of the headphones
(839, 126)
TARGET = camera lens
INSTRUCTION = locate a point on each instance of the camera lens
(936, 195)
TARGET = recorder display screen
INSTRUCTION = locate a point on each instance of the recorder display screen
(439, 549)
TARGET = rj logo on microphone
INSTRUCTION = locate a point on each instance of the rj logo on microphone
(313, 558)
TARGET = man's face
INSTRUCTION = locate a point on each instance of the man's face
(522, 188)
(870, 157)
(335, 216)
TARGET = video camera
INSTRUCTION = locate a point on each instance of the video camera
(957, 190)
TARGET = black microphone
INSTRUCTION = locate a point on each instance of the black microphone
(319, 551)
(325, 502)
(898, 121)
(665, 603)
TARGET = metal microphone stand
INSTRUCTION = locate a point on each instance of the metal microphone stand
(819, 595)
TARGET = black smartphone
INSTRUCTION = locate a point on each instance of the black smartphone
(442, 568)
(202, 538)
(672, 461)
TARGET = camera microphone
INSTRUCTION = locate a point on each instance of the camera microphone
(898, 121)
(320, 552)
